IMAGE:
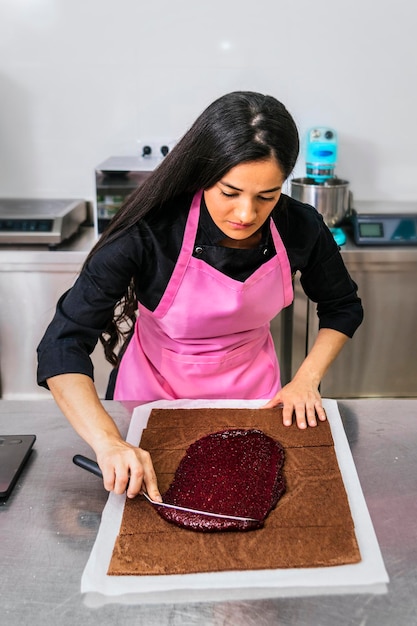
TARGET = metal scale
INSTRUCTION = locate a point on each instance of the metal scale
(36, 221)
(384, 223)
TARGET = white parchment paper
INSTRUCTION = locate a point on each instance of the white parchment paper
(368, 576)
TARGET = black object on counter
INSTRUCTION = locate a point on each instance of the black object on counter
(87, 464)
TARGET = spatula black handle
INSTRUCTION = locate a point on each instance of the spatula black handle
(87, 464)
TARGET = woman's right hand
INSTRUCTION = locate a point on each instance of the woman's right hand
(127, 468)
(123, 466)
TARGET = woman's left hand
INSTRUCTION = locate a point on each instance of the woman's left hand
(299, 398)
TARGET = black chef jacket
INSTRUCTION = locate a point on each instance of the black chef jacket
(148, 251)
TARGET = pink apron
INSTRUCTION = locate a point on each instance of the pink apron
(209, 337)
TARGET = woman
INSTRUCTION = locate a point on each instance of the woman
(205, 251)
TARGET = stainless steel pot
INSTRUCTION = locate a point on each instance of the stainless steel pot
(331, 198)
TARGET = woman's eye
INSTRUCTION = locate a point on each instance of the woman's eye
(235, 195)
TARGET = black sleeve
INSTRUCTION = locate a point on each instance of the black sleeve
(327, 282)
(313, 252)
(83, 312)
(148, 253)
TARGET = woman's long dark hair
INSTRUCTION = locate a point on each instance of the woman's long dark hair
(239, 127)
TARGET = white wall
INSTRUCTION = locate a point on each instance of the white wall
(81, 80)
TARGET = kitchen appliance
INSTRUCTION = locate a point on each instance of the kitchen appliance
(386, 223)
(321, 188)
(37, 221)
(116, 178)
(331, 198)
(321, 154)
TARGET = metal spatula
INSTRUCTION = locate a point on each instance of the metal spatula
(183, 508)
(92, 466)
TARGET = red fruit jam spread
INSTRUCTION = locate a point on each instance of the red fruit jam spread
(234, 472)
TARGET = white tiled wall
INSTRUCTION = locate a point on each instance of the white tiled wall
(81, 80)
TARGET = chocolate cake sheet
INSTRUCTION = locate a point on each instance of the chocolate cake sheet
(310, 537)
(310, 527)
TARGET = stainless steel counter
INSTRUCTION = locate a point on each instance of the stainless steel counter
(32, 278)
(379, 361)
(49, 524)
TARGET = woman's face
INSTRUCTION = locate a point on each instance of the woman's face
(242, 200)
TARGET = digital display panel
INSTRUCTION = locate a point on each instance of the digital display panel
(371, 229)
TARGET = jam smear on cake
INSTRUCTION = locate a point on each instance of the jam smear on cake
(234, 472)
